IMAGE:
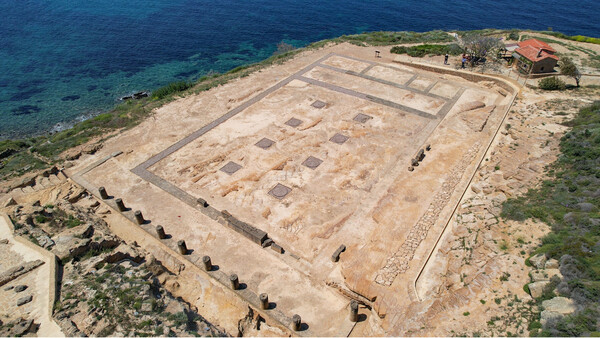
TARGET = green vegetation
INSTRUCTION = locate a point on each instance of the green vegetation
(580, 38)
(170, 89)
(41, 219)
(72, 222)
(552, 83)
(393, 38)
(422, 50)
(569, 202)
(568, 68)
(513, 35)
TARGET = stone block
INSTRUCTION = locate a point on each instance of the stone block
(560, 305)
(103, 193)
(551, 264)
(20, 288)
(139, 218)
(207, 263)
(336, 255)
(264, 301)
(277, 248)
(120, 205)
(293, 122)
(339, 138)
(182, 247)
(296, 322)
(24, 300)
(235, 282)
(160, 232)
(202, 202)
(538, 261)
(353, 311)
(536, 289)
(231, 168)
(267, 242)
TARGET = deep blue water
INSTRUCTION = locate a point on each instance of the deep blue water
(63, 59)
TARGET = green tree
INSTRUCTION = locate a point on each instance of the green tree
(568, 68)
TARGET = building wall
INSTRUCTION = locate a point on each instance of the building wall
(523, 65)
(544, 66)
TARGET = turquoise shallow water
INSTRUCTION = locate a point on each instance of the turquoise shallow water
(62, 60)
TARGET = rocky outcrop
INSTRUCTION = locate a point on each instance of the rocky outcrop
(556, 307)
(536, 289)
(18, 328)
(24, 300)
(17, 271)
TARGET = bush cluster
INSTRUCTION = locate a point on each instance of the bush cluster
(171, 88)
(580, 38)
(394, 38)
(422, 50)
(552, 83)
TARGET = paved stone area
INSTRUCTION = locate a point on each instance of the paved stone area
(339, 138)
(265, 143)
(293, 122)
(279, 191)
(362, 118)
(312, 162)
(319, 104)
(230, 168)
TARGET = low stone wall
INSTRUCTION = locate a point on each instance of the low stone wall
(50, 260)
(469, 76)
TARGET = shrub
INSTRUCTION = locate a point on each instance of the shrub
(552, 83)
(171, 88)
(513, 35)
(72, 222)
(41, 219)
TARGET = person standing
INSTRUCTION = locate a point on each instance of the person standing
(446, 59)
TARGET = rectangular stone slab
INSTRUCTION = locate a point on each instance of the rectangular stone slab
(293, 122)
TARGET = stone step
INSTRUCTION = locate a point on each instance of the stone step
(45, 182)
(61, 176)
(28, 189)
(54, 179)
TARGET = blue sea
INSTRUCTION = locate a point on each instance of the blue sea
(64, 60)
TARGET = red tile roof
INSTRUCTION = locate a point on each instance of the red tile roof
(535, 54)
(537, 44)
